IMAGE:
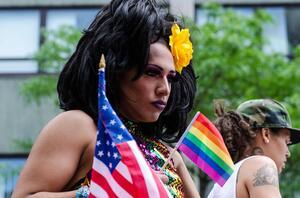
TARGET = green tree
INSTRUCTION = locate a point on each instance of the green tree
(51, 57)
(229, 61)
(231, 64)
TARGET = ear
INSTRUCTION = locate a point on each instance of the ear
(266, 135)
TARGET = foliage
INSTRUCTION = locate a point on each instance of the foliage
(231, 64)
(51, 57)
(24, 144)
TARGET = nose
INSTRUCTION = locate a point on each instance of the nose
(164, 87)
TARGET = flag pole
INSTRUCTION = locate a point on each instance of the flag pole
(178, 143)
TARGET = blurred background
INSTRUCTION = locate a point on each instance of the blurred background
(243, 49)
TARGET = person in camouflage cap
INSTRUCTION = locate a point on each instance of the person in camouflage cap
(257, 135)
(267, 113)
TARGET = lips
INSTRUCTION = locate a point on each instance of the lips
(159, 104)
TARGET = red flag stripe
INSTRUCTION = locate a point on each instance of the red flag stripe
(155, 189)
(102, 169)
(97, 191)
(104, 184)
(124, 183)
(133, 167)
(202, 119)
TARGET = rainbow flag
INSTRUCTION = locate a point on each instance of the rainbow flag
(203, 144)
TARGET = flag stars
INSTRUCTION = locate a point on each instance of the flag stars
(120, 137)
(104, 107)
(123, 127)
(107, 143)
(115, 155)
(113, 144)
(108, 154)
(110, 165)
(112, 122)
(100, 153)
(98, 143)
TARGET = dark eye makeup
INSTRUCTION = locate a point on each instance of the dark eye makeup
(155, 70)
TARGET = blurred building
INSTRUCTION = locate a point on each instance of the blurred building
(21, 22)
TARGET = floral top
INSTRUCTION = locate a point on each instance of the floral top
(156, 154)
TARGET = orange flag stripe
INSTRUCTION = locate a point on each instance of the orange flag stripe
(211, 136)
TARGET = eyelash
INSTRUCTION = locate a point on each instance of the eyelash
(154, 72)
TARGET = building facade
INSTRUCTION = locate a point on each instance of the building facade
(21, 22)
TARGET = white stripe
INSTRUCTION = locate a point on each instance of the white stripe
(100, 167)
(145, 169)
(123, 170)
(97, 191)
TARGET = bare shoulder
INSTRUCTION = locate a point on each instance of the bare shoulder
(73, 123)
(70, 130)
(259, 175)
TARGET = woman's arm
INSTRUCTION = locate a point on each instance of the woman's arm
(260, 176)
(190, 190)
(54, 159)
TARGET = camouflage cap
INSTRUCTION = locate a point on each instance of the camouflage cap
(267, 113)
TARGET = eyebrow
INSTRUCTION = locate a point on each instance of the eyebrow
(160, 68)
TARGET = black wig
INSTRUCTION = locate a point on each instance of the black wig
(123, 32)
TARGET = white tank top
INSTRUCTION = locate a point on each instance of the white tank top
(229, 188)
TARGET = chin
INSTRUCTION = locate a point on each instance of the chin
(151, 118)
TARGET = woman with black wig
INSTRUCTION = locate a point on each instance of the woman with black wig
(146, 84)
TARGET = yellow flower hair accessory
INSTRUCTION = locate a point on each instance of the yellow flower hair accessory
(181, 47)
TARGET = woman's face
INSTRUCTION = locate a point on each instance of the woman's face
(144, 99)
(278, 148)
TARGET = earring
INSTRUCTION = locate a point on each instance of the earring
(267, 141)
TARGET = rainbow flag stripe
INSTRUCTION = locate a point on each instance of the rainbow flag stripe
(203, 144)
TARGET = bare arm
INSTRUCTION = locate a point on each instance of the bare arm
(55, 156)
(261, 177)
(190, 190)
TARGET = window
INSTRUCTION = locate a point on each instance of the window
(80, 18)
(282, 34)
(19, 38)
(10, 166)
(20, 34)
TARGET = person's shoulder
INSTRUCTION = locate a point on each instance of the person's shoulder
(74, 123)
(254, 162)
(258, 170)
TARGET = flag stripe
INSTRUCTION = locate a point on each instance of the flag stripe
(123, 182)
(101, 169)
(104, 183)
(204, 156)
(198, 143)
(202, 164)
(123, 170)
(154, 189)
(133, 166)
(97, 191)
(202, 138)
(202, 119)
(218, 142)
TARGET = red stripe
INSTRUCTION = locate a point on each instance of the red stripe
(91, 195)
(161, 189)
(202, 119)
(134, 169)
(124, 183)
(101, 181)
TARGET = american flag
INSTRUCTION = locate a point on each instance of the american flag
(119, 168)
